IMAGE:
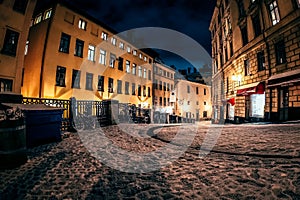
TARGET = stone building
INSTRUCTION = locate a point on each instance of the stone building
(256, 60)
(14, 26)
(72, 54)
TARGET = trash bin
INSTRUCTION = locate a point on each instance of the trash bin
(43, 123)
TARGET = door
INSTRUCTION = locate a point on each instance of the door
(247, 107)
(283, 104)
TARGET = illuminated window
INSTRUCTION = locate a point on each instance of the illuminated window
(140, 56)
(134, 52)
(112, 60)
(64, 43)
(133, 68)
(145, 73)
(76, 79)
(26, 48)
(145, 58)
(128, 49)
(91, 53)
(79, 48)
(60, 76)
(38, 19)
(140, 71)
(121, 45)
(101, 83)
(104, 36)
(82, 24)
(127, 66)
(102, 57)
(47, 14)
(89, 81)
(114, 41)
(274, 12)
(10, 43)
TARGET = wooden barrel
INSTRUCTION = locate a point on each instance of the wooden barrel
(12, 143)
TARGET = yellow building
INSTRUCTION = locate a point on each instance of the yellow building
(163, 86)
(193, 100)
(256, 63)
(14, 26)
(71, 54)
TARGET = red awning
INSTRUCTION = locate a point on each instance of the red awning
(231, 101)
(253, 88)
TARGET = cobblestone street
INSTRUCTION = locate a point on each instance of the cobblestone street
(249, 161)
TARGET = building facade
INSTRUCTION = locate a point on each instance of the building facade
(163, 85)
(193, 100)
(71, 54)
(256, 60)
(14, 26)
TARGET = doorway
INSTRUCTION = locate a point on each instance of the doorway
(283, 104)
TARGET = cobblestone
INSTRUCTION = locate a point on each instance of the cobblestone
(247, 162)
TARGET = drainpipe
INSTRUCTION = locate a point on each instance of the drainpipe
(44, 50)
(268, 59)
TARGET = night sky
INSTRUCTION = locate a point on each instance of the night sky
(190, 17)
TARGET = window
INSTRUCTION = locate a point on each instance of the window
(197, 90)
(127, 66)
(10, 43)
(188, 89)
(149, 92)
(241, 8)
(256, 25)
(139, 90)
(60, 76)
(121, 45)
(160, 85)
(20, 6)
(197, 103)
(47, 14)
(260, 61)
(104, 36)
(76, 79)
(114, 41)
(246, 67)
(133, 68)
(26, 48)
(140, 56)
(144, 91)
(127, 88)
(91, 53)
(145, 73)
(244, 34)
(133, 88)
(89, 81)
(120, 64)
(102, 57)
(145, 58)
(155, 84)
(110, 85)
(128, 49)
(101, 83)
(230, 48)
(134, 52)
(64, 43)
(160, 101)
(165, 86)
(165, 101)
(204, 114)
(5, 85)
(119, 86)
(140, 71)
(69, 17)
(79, 48)
(298, 3)
(204, 91)
(274, 12)
(38, 19)
(112, 60)
(280, 52)
(82, 24)
(168, 86)
(149, 74)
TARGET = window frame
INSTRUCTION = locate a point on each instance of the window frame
(10, 44)
(60, 77)
(280, 52)
(102, 56)
(274, 12)
(64, 44)
(78, 52)
(76, 74)
(91, 52)
(100, 85)
(89, 81)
